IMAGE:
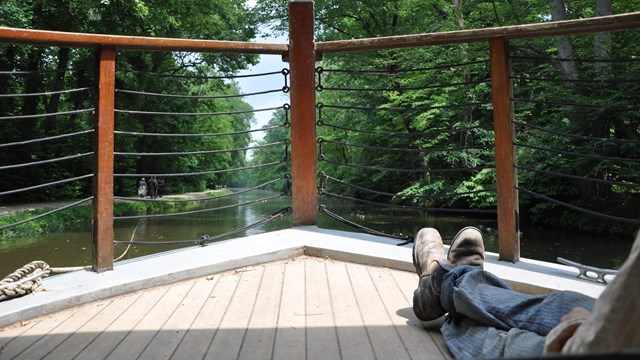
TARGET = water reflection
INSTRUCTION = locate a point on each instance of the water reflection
(73, 247)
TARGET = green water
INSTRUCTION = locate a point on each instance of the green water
(73, 247)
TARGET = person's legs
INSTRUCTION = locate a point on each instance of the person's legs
(486, 317)
(431, 265)
(467, 248)
(470, 292)
(469, 339)
(466, 338)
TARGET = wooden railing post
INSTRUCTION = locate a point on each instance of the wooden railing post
(506, 175)
(103, 163)
(303, 113)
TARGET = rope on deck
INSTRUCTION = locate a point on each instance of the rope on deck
(24, 280)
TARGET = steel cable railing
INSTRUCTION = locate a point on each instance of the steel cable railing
(234, 152)
(195, 148)
(36, 116)
(217, 113)
(200, 135)
(205, 239)
(204, 199)
(49, 103)
(180, 213)
(48, 138)
(339, 144)
(257, 147)
(47, 213)
(324, 178)
(48, 161)
(586, 126)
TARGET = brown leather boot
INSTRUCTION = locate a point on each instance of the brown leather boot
(427, 249)
(467, 248)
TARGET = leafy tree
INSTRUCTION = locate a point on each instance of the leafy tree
(47, 70)
(272, 153)
(410, 98)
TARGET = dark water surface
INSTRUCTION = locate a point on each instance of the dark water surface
(73, 247)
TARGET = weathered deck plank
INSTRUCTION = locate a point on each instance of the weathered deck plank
(352, 334)
(260, 336)
(108, 339)
(143, 332)
(290, 333)
(322, 338)
(407, 284)
(384, 339)
(226, 344)
(398, 302)
(92, 329)
(172, 332)
(196, 342)
(304, 307)
(61, 332)
(19, 337)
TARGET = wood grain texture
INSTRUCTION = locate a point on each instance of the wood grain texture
(504, 133)
(303, 114)
(305, 307)
(103, 146)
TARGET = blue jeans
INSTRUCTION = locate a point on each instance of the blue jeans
(487, 319)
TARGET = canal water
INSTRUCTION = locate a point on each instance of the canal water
(73, 247)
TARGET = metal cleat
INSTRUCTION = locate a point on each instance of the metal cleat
(588, 272)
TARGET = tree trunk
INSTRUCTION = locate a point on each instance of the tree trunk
(32, 85)
(457, 11)
(602, 51)
(58, 84)
(565, 48)
(602, 42)
(7, 63)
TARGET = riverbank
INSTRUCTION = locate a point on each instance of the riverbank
(13, 209)
(69, 218)
(72, 246)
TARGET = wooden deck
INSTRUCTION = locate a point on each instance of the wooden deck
(288, 294)
(300, 308)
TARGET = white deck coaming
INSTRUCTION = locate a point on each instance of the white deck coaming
(66, 290)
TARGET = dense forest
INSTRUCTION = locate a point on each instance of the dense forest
(423, 112)
(394, 124)
(38, 70)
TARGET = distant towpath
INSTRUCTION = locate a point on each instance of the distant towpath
(10, 209)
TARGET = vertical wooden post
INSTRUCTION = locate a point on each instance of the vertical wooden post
(103, 163)
(303, 113)
(506, 175)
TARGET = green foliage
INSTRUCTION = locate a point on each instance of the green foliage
(407, 98)
(55, 222)
(417, 92)
(138, 71)
(82, 214)
(272, 153)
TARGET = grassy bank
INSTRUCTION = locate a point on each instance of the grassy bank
(81, 215)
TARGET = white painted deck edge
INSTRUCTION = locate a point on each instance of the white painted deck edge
(66, 290)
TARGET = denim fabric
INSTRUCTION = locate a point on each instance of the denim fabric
(469, 339)
(488, 319)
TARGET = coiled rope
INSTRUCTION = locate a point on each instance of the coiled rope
(24, 280)
(29, 277)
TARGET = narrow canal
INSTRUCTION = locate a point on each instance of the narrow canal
(73, 247)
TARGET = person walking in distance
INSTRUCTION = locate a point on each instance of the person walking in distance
(142, 188)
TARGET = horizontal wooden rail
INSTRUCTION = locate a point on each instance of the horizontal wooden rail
(69, 39)
(581, 26)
